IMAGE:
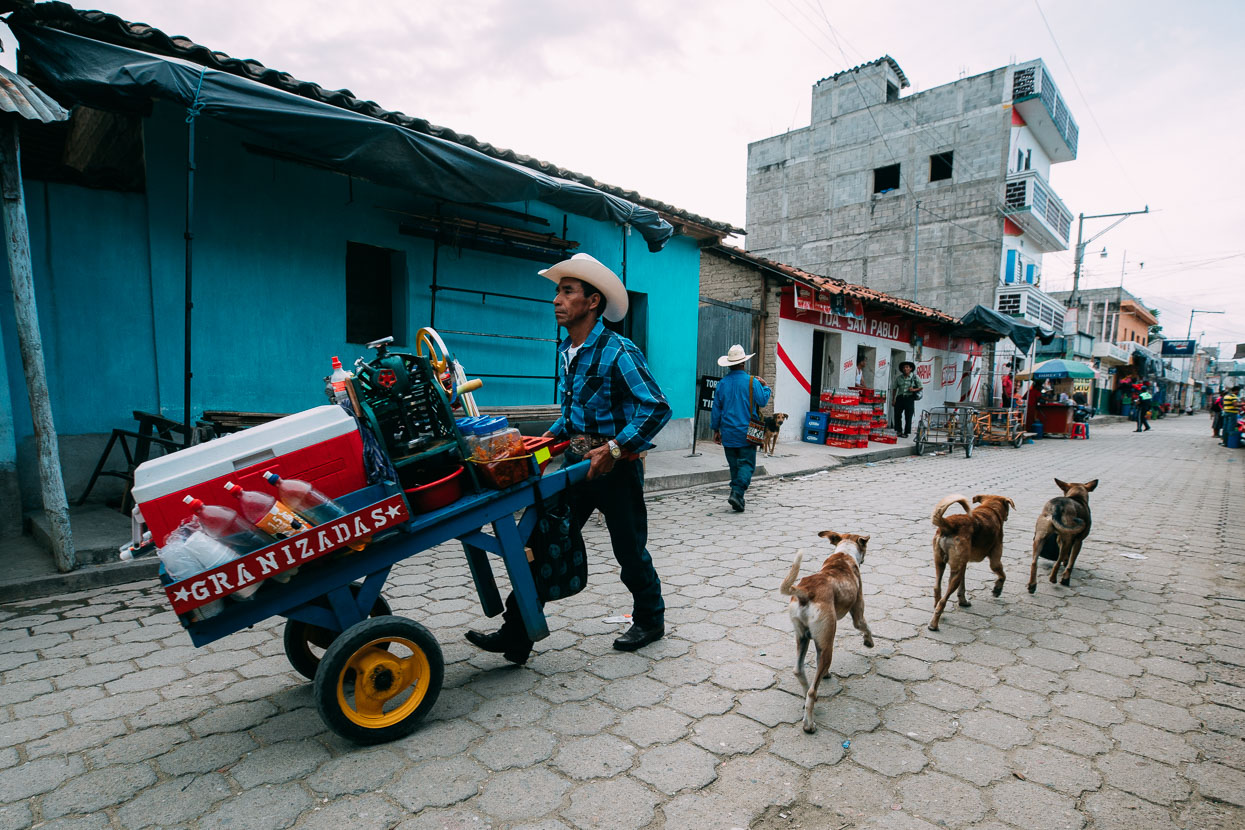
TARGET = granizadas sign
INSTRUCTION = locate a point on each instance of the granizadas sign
(311, 544)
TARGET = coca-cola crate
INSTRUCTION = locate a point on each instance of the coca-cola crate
(843, 442)
(860, 442)
(839, 429)
(883, 439)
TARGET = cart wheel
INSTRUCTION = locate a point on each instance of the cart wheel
(1018, 440)
(968, 447)
(379, 679)
(305, 643)
(919, 442)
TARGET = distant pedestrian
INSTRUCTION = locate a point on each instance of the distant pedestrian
(1144, 397)
(1231, 411)
(735, 401)
(1009, 384)
(907, 392)
(1216, 413)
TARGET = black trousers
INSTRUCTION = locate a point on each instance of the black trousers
(904, 405)
(619, 495)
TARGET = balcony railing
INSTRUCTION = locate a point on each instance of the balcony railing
(1031, 204)
(1109, 353)
(1037, 99)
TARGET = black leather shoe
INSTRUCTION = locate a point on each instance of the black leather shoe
(499, 642)
(736, 502)
(639, 636)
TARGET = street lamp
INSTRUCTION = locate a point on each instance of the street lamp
(1185, 386)
(1074, 300)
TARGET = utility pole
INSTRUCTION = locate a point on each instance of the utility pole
(1074, 300)
(916, 246)
(1185, 380)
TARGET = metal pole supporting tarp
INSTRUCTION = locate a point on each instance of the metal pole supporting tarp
(17, 241)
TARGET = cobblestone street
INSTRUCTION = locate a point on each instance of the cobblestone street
(1116, 703)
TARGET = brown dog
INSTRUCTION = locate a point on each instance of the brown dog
(1061, 529)
(963, 539)
(819, 602)
(773, 423)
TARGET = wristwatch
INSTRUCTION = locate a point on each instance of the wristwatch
(615, 450)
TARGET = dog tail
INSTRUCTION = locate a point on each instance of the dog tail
(937, 518)
(788, 586)
(1074, 523)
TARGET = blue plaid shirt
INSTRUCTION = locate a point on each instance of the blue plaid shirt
(608, 390)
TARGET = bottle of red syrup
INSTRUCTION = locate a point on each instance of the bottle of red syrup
(309, 503)
(266, 512)
(228, 527)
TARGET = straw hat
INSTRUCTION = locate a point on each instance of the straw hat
(734, 356)
(587, 268)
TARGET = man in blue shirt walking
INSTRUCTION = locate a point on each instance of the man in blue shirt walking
(612, 410)
(736, 398)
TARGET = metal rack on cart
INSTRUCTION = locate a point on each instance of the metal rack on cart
(999, 427)
(950, 426)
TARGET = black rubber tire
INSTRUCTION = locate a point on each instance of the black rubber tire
(301, 636)
(1018, 440)
(919, 441)
(359, 642)
(968, 447)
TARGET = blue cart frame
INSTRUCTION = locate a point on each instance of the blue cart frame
(339, 599)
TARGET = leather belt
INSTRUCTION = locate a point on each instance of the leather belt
(583, 442)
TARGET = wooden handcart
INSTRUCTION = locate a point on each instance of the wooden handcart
(999, 427)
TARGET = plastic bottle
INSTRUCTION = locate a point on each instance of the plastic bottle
(266, 512)
(308, 502)
(188, 550)
(226, 525)
(339, 381)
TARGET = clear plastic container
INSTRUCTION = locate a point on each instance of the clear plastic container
(496, 439)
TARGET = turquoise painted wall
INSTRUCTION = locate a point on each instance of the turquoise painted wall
(270, 242)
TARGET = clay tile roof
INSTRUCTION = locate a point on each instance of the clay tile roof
(903, 79)
(831, 285)
(110, 28)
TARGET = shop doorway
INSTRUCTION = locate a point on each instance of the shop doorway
(827, 347)
(897, 356)
(866, 366)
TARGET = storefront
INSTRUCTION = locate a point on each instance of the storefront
(832, 341)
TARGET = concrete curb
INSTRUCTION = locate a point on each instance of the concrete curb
(82, 579)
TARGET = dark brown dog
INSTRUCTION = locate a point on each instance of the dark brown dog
(1061, 529)
(819, 602)
(963, 539)
(773, 423)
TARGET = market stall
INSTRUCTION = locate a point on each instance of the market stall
(1051, 402)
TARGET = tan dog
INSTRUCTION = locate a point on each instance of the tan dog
(819, 602)
(1061, 529)
(773, 423)
(963, 539)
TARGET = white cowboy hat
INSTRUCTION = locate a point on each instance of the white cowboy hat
(734, 356)
(587, 268)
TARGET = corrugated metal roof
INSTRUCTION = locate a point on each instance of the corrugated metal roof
(20, 96)
(110, 28)
(903, 79)
(830, 285)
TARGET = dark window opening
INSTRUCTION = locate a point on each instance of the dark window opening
(375, 293)
(634, 326)
(940, 166)
(892, 92)
(886, 178)
(93, 148)
(1028, 158)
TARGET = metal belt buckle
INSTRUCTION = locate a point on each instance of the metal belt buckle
(580, 445)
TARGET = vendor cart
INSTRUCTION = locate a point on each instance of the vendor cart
(999, 427)
(950, 426)
(375, 675)
(379, 674)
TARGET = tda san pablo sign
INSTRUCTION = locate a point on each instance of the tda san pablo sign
(311, 544)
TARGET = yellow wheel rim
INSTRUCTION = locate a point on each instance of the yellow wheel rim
(441, 363)
(377, 688)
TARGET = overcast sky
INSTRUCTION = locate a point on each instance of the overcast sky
(663, 98)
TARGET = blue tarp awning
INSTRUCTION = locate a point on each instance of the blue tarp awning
(107, 76)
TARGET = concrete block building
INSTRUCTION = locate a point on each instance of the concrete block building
(942, 197)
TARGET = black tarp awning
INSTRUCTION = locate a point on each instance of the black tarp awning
(985, 325)
(106, 76)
